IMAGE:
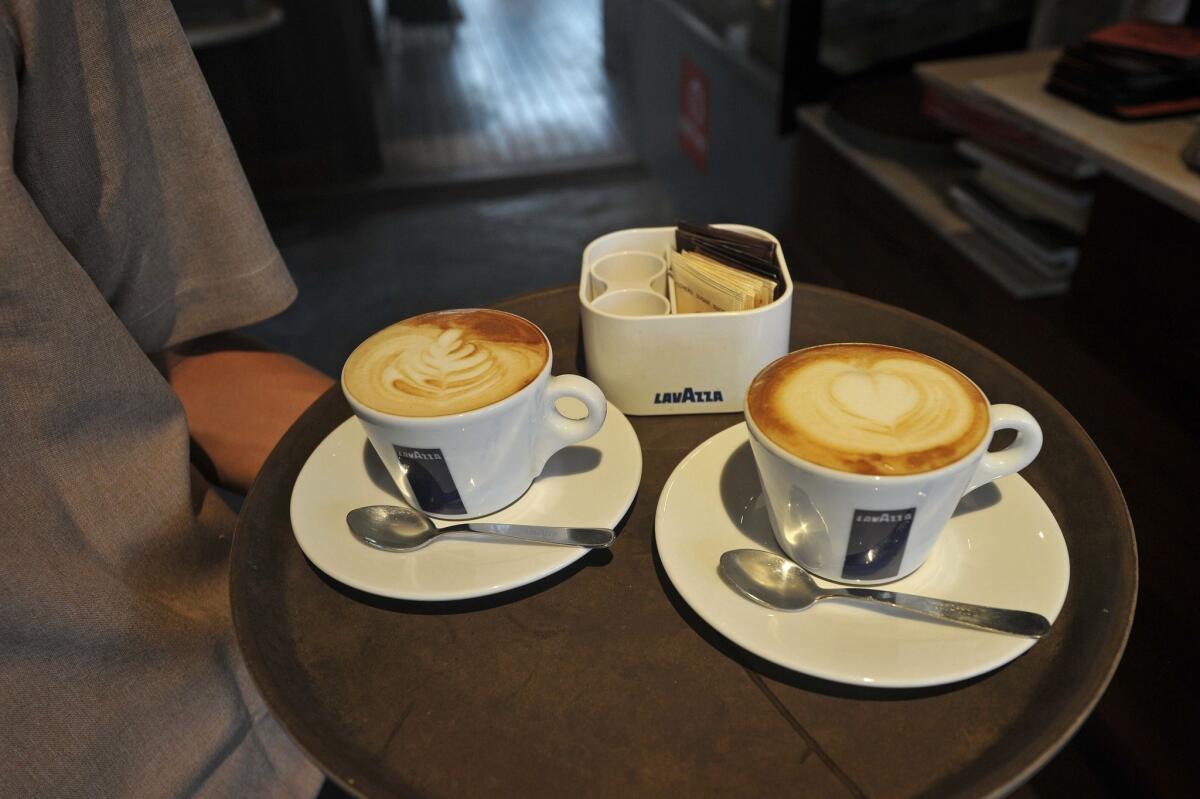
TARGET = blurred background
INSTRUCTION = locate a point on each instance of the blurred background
(995, 165)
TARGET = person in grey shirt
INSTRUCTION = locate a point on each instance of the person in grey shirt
(128, 240)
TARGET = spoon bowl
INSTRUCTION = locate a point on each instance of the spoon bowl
(778, 583)
(394, 528)
(401, 528)
(769, 580)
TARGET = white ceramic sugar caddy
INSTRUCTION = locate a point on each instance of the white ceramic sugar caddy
(660, 363)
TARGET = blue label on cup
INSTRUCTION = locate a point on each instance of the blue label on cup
(877, 541)
(429, 478)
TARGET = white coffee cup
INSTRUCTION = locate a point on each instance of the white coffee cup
(473, 463)
(867, 528)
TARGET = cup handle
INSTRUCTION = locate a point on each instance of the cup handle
(1017, 455)
(557, 430)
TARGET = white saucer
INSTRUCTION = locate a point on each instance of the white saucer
(1002, 548)
(590, 484)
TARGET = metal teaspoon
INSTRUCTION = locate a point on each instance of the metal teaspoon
(778, 583)
(403, 529)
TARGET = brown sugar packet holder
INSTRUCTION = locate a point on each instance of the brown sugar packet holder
(737, 250)
(745, 255)
(761, 249)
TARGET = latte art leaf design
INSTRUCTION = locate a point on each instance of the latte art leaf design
(444, 366)
(445, 362)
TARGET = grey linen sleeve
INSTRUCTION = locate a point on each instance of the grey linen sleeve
(125, 226)
(121, 149)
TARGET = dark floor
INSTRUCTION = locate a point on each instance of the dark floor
(367, 271)
(478, 117)
(514, 86)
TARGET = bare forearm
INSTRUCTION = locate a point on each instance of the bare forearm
(239, 403)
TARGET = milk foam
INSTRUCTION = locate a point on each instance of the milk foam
(445, 363)
(868, 409)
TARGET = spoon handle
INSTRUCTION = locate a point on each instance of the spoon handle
(1014, 622)
(590, 537)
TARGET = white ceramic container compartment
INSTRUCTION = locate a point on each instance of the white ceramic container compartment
(678, 363)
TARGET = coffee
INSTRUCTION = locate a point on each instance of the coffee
(445, 363)
(868, 409)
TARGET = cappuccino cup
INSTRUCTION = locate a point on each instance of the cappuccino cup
(460, 408)
(865, 450)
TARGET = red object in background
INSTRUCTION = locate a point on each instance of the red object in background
(1171, 41)
(693, 113)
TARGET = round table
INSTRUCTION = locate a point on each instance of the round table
(600, 681)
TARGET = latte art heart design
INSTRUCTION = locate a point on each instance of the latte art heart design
(886, 406)
(875, 396)
(868, 408)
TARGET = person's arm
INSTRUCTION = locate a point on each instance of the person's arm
(240, 399)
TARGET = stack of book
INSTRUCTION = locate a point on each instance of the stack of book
(1133, 70)
(1038, 216)
(1029, 193)
(961, 109)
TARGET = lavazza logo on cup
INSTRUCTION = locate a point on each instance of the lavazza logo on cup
(430, 480)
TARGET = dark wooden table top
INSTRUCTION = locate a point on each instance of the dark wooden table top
(601, 681)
